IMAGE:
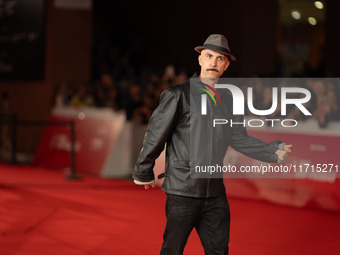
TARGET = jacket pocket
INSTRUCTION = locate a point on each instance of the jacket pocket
(182, 163)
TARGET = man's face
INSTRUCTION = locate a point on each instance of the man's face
(213, 64)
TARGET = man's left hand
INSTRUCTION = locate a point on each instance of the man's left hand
(283, 154)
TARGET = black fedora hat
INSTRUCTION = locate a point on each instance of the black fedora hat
(218, 43)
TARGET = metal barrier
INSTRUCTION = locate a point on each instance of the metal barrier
(12, 120)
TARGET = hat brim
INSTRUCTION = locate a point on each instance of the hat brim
(200, 48)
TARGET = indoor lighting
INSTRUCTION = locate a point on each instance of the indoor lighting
(295, 14)
(318, 4)
(312, 21)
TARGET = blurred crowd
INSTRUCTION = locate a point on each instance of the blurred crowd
(323, 105)
(122, 82)
(137, 98)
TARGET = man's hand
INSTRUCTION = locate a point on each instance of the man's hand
(147, 186)
(283, 154)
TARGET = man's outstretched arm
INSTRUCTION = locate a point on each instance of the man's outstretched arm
(275, 151)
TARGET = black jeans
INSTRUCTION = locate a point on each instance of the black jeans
(209, 216)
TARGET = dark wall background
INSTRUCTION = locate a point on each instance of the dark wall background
(169, 30)
(67, 56)
(22, 39)
(332, 40)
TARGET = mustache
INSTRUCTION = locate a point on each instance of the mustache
(212, 69)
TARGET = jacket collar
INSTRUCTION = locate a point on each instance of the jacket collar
(196, 85)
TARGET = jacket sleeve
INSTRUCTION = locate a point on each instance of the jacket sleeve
(250, 146)
(160, 127)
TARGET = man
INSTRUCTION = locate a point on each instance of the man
(199, 203)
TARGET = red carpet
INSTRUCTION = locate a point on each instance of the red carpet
(41, 213)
